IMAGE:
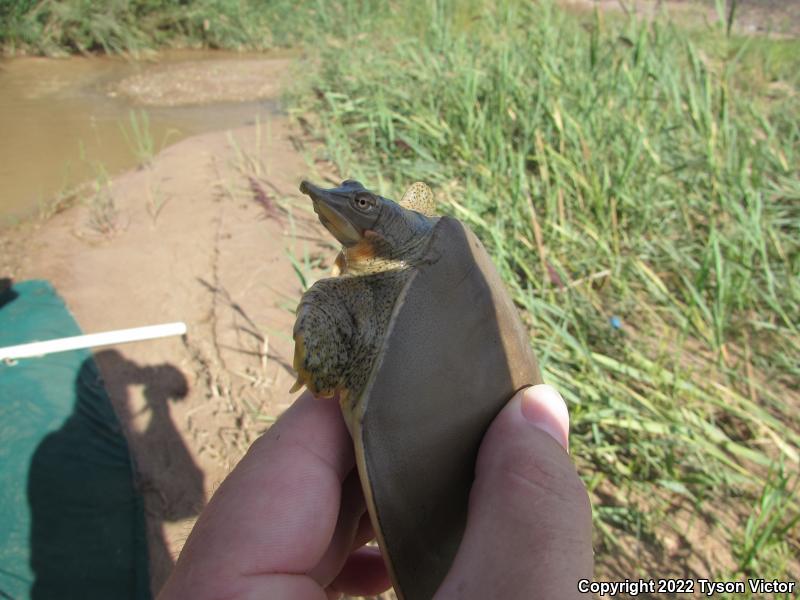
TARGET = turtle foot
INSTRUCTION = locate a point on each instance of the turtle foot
(304, 376)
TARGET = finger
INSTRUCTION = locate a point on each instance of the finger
(277, 510)
(365, 533)
(528, 528)
(364, 574)
(351, 509)
(544, 407)
(353, 530)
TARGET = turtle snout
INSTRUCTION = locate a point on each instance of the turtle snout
(304, 187)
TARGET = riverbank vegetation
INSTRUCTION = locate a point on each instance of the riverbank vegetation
(134, 27)
(636, 183)
(140, 27)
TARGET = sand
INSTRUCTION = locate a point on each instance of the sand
(207, 82)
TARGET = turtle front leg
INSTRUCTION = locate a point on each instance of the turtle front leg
(322, 333)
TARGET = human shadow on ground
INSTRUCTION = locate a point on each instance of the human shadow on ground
(89, 536)
(7, 293)
(166, 473)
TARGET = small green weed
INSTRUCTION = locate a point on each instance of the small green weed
(765, 545)
(156, 198)
(103, 217)
(138, 137)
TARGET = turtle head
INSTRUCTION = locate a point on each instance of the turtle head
(347, 211)
(359, 218)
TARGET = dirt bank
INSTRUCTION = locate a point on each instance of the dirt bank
(779, 18)
(204, 235)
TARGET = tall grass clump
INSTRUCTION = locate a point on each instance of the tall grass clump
(639, 193)
(58, 27)
(55, 27)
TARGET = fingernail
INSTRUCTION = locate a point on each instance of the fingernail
(544, 408)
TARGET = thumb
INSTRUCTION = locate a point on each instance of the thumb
(529, 525)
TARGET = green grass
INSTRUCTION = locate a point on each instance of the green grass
(138, 137)
(763, 547)
(54, 27)
(617, 171)
(135, 27)
(103, 218)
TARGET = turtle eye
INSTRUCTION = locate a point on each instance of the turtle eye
(364, 202)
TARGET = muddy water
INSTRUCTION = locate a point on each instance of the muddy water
(64, 121)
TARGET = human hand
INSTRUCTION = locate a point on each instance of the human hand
(290, 521)
(529, 522)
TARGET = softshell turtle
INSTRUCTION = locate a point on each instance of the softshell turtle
(418, 338)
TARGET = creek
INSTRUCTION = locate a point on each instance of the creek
(65, 121)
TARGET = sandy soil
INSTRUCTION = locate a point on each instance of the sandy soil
(207, 82)
(216, 256)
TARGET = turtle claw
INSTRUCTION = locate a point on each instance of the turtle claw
(297, 385)
(301, 381)
(303, 376)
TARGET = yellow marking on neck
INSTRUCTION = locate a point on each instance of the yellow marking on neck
(362, 251)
